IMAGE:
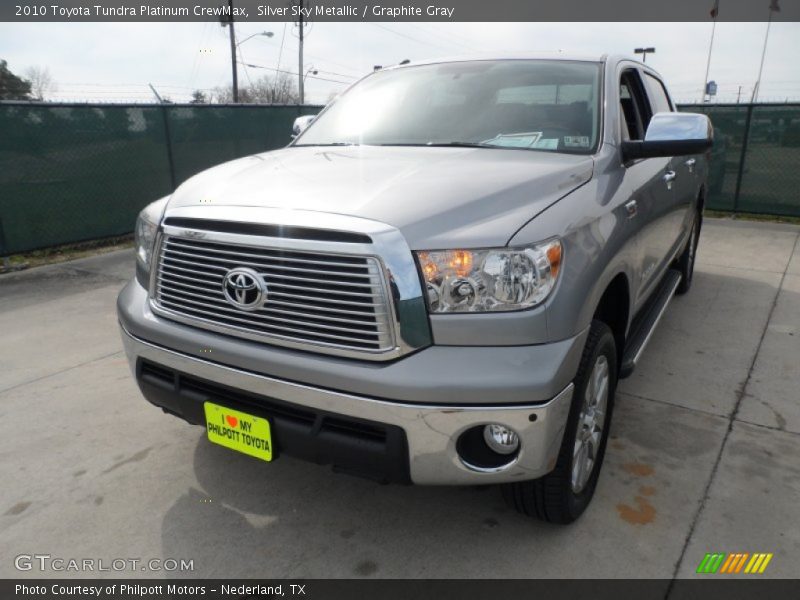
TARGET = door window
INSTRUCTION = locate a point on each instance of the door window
(634, 106)
(659, 100)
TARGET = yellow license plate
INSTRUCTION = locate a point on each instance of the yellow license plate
(238, 431)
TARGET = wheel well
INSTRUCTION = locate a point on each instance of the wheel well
(613, 310)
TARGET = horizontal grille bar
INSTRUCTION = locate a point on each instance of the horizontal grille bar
(274, 253)
(225, 264)
(311, 298)
(280, 261)
(280, 231)
(263, 316)
(168, 269)
(278, 308)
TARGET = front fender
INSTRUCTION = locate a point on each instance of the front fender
(599, 243)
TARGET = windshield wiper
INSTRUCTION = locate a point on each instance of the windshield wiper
(441, 144)
(331, 144)
(413, 144)
(460, 145)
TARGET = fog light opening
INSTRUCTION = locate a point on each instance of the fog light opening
(490, 447)
(501, 439)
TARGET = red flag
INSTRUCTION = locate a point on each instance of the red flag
(715, 9)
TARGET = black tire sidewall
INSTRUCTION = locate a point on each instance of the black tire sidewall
(601, 340)
(688, 258)
(691, 257)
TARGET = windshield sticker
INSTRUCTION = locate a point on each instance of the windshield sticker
(516, 140)
(576, 141)
(546, 144)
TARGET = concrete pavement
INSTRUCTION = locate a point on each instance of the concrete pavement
(704, 455)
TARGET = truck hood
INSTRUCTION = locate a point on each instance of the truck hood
(437, 197)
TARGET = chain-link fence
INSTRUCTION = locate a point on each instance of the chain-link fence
(755, 162)
(73, 172)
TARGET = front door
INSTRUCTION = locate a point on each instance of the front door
(686, 169)
(651, 182)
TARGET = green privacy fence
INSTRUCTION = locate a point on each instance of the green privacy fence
(73, 172)
(755, 162)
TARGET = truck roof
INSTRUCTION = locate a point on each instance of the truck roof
(520, 56)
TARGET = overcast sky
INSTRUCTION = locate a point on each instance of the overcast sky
(115, 61)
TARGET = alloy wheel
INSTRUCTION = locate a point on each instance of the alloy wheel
(591, 422)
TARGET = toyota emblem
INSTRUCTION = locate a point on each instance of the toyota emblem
(244, 288)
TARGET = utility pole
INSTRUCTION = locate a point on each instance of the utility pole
(233, 52)
(739, 95)
(773, 7)
(301, 79)
(714, 13)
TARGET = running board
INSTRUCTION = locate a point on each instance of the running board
(646, 321)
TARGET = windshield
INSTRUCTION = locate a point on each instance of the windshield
(546, 105)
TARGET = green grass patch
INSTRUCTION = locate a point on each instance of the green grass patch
(58, 254)
(722, 214)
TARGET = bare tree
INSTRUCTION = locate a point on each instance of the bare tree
(42, 82)
(280, 88)
(222, 95)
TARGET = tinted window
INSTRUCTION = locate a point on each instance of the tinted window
(634, 106)
(526, 104)
(657, 94)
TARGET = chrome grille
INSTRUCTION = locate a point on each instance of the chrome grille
(314, 299)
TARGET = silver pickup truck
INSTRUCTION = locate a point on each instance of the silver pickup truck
(439, 281)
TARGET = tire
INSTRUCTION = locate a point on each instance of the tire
(687, 258)
(562, 495)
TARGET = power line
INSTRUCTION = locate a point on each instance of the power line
(352, 77)
(410, 37)
(295, 73)
(283, 39)
(316, 58)
(198, 57)
(241, 61)
(441, 33)
(339, 65)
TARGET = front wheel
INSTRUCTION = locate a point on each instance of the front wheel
(562, 495)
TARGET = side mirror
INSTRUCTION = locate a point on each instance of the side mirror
(301, 124)
(672, 134)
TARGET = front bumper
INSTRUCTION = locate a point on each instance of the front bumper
(430, 430)
(436, 375)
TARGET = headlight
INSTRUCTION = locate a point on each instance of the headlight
(145, 233)
(498, 279)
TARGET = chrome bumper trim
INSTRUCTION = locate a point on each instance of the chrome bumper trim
(431, 430)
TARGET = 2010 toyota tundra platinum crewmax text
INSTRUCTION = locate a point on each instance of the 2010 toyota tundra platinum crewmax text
(439, 281)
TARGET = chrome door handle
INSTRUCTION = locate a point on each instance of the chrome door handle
(632, 208)
(691, 163)
(668, 177)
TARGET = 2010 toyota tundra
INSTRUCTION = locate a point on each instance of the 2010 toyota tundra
(439, 281)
